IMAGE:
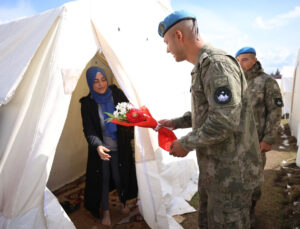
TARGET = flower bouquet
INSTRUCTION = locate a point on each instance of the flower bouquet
(126, 115)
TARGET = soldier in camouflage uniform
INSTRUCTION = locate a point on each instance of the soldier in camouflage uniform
(265, 97)
(267, 105)
(223, 128)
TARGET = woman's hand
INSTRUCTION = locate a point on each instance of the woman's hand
(101, 152)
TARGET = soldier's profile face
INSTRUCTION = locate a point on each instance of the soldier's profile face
(173, 46)
(246, 60)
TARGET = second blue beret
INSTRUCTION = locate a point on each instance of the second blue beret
(245, 50)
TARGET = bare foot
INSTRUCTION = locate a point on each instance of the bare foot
(106, 218)
(125, 210)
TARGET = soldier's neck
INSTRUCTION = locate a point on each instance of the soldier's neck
(194, 51)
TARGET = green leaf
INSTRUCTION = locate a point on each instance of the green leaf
(110, 115)
(108, 119)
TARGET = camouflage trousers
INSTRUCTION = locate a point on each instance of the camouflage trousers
(222, 211)
(264, 158)
(257, 191)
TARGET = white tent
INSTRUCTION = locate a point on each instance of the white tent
(42, 67)
(286, 86)
(295, 106)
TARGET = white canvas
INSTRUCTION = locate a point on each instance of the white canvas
(37, 87)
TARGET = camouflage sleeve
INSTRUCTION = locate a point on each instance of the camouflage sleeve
(274, 103)
(184, 121)
(222, 88)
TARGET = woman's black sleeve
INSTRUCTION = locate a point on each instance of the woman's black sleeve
(89, 129)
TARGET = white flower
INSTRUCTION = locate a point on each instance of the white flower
(129, 106)
(122, 109)
(116, 113)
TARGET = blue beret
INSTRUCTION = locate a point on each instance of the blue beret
(245, 50)
(172, 19)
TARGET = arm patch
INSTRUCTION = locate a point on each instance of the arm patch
(222, 95)
(278, 102)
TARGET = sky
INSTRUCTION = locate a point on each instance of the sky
(272, 27)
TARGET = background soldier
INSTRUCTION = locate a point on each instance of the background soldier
(266, 102)
(222, 126)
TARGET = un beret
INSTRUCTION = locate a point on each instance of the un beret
(173, 19)
(245, 50)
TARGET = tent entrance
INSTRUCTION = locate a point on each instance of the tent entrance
(67, 177)
(71, 153)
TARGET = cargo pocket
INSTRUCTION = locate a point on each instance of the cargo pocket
(227, 216)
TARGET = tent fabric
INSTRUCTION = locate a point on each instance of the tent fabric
(55, 219)
(286, 86)
(14, 61)
(295, 106)
(40, 71)
(287, 83)
(33, 120)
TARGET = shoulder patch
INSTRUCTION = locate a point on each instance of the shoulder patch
(278, 102)
(222, 95)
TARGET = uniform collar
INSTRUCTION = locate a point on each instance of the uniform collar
(254, 71)
(202, 55)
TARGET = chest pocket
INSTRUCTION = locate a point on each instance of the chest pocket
(197, 89)
(257, 93)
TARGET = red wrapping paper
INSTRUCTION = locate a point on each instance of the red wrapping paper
(165, 136)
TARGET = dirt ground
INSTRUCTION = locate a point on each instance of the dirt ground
(278, 208)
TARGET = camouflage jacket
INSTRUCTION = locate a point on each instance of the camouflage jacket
(223, 128)
(266, 102)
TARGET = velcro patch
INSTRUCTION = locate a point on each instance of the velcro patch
(222, 95)
(278, 102)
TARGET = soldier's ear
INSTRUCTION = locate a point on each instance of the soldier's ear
(178, 35)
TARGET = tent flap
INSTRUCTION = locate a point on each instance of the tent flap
(42, 60)
(19, 42)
